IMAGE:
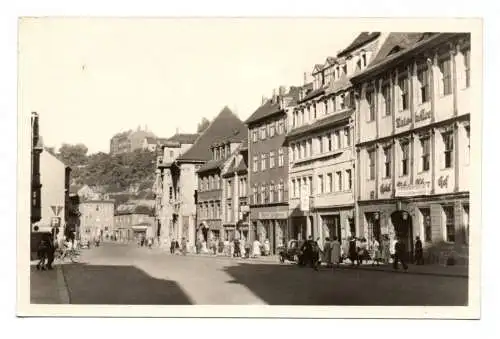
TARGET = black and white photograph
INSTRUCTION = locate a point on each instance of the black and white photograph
(303, 164)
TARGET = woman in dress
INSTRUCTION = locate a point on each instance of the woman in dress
(335, 252)
(256, 248)
(375, 252)
(327, 252)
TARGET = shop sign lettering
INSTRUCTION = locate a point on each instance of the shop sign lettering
(443, 181)
(385, 188)
(401, 122)
(422, 115)
(420, 187)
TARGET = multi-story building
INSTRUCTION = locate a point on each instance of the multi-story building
(96, 218)
(413, 141)
(36, 150)
(177, 179)
(235, 219)
(129, 141)
(133, 221)
(268, 173)
(321, 145)
(214, 195)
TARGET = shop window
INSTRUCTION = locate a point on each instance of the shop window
(426, 223)
(448, 150)
(449, 215)
(373, 226)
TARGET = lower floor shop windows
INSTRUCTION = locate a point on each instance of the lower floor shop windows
(450, 223)
(331, 226)
(373, 226)
(426, 223)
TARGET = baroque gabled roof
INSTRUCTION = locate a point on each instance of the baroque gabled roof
(226, 126)
(270, 108)
(362, 39)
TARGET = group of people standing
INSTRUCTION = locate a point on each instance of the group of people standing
(235, 248)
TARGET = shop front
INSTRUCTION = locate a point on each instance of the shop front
(336, 222)
(440, 221)
(271, 224)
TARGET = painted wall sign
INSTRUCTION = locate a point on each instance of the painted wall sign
(420, 187)
(401, 122)
(273, 215)
(422, 115)
(443, 181)
(385, 188)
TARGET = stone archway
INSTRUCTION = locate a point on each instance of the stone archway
(403, 229)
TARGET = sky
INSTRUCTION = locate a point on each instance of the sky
(89, 79)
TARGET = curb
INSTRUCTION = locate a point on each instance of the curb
(62, 286)
(390, 270)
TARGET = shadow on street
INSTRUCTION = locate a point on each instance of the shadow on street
(291, 285)
(120, 285)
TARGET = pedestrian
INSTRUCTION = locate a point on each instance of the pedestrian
(42, 248)
(353, 251)
(419, 251)
(321, 250)
(327, 252)
(221, 246)
(172, 246)
(315, 254)
(363, 250)
(50, 252)
(385, 249)
(184, 246)
(335, 252)
(375, 252)
(267, 247)
(256, 248)
(150, 242)
(393, 248)
(399, 254)
(237, 247)
(242, 247)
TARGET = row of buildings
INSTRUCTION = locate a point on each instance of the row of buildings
(377, 144)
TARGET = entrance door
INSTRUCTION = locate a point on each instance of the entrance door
(299, 228)
(402, 222)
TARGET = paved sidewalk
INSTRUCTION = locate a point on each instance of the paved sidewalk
(48, 287)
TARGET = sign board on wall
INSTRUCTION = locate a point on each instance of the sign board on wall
(273, 215)
(410, 190)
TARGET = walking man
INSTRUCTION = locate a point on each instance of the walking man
(399, 253)
(419, 255)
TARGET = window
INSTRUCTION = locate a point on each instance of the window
(347, 134)
(404, 98)
(321, 184)
(450, 223)
(294, 189)
(303, 151)
(281, 126)
(445, 68)
(229, 212)
(171, 154)
(292, 152)
(272, 159)
(255, 163)
(272, 130)
(326, 106)
(254, 194)
(229, 189)
(281, 188)
(405, 148)
(315, 110)
(386, 93)
(337, 140)
(255, 135)
(310, 187)
(349, 179)
(423, 79)
(467, 147)
(329, 183)
(448, 150)
(170, 193)
(271, 193)
(299, 187)
(310, 147)
(371, 164)
(467, 67)
(263, 161)
(339, 181)
(370, 100)
(426, 153)
(263, 197)
(281, 157)
(342, 101)
(263, 132)
(387, 162)
(320, 144)
(426, 223)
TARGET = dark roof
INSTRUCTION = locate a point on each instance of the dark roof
(161, 141)
(340, 84)
(269, 108)
(218, 130)
(133, 209)
(362, 39)
(211, 165)
(400, 44)
(323, 123)
(313, 94)
(184, 138)
(151, 140)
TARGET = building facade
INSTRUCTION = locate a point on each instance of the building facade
(321, 146)
(132, 222)
(235, 220)
(177, 186)
(129, 141)
(96, 219)
(413, 142)
(268, 168)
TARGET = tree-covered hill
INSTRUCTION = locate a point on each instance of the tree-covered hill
(115, 173)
